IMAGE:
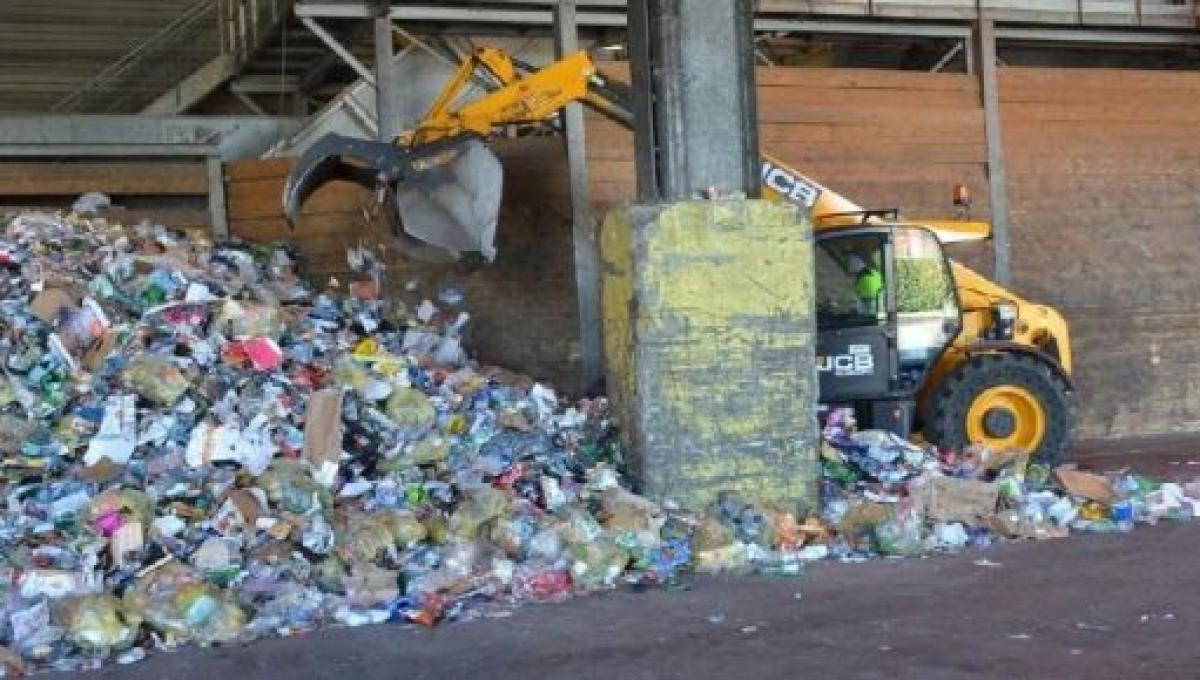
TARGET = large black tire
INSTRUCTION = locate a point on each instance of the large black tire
(947, 426)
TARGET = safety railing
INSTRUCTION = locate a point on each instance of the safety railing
(203, 31)
(1146, 13)
(246, 24)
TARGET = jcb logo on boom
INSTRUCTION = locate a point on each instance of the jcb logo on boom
(791, 186)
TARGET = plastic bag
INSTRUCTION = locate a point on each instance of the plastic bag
(367, 537)
(175, 600)
(97, 623)
(428, 451)
(597, 564)
(371, 586)
(902, 534)
(635, 523)
(410, 408)
(478, 507)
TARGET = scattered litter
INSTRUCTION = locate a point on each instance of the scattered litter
(1091, 626)
(911, 500)
(747, 630)
(987, 563)
(716, 618)
(1020, 636)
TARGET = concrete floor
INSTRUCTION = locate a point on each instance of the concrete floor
(1071, 608)
(1114, 606)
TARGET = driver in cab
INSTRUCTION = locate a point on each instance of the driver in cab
(868, 283)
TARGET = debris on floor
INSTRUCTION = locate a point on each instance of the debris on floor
(887, 496)
(200, 447)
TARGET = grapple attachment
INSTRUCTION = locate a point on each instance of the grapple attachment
(442, 199)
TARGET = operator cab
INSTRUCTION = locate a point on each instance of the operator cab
(887, 308)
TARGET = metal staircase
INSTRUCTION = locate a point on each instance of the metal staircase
(184, 61)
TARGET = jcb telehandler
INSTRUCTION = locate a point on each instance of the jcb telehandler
(906, 336)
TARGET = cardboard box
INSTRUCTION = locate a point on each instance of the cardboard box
(949, 499)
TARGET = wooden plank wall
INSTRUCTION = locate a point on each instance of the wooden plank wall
(168, 191)
(1104, 180)
(1104, 172)
(884, 138)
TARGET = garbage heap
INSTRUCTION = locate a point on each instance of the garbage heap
(883, 495)
(196, 446)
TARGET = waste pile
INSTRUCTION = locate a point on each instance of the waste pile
(197, 446)
(882, 495)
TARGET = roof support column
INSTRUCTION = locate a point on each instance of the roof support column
(985, 63)
(583, 226)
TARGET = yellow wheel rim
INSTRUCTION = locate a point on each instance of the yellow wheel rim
(1006, 417)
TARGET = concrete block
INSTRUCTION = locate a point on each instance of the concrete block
(709, 337)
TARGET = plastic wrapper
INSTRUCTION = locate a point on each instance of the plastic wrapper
(513, 534)
(371, 586)
(113, 508)
(176, 601)
(355, 375)
(156, 379)
(541, 584)
(295, 607)
(463, 566)
(290, 487)
(240, 319)
(96, 623)
(31, 632)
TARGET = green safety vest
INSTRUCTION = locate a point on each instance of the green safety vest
(868, 284)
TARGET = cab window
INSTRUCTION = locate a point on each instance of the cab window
(927, 312)
(851, 290)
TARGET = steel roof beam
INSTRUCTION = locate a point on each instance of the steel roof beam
(612, 16)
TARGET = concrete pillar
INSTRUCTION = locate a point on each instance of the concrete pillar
(709, 337)
(695, 97)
